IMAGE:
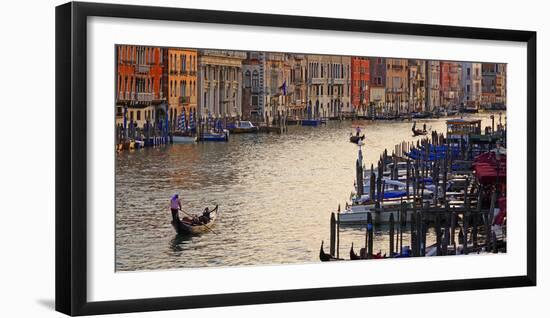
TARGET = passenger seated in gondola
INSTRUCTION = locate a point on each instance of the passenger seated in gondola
(205, 217)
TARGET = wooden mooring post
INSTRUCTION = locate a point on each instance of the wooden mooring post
(392, 233)
(332, 233)
(370, 233)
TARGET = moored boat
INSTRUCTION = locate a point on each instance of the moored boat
(311, 122)
(243, 126)
(183, 138)
(214, 136)
(324, 257)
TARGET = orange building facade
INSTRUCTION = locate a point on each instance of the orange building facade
(182, 84)
(360, 79)
(139, 83)
(450, 84)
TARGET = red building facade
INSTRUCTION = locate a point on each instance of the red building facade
(140, 82)
(360, 80)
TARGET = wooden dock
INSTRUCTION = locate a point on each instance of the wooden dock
(461, 210)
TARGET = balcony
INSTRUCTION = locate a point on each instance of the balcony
(143, 68)
(256, 89)
(184, 100)
(145, 97)
(316, 81)
(338, 81)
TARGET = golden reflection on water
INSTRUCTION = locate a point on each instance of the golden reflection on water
(275, 194)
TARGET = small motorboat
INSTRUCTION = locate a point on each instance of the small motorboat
(214, 136)
(198, 224)
(355, 139)
(324, 257)
(242, 127)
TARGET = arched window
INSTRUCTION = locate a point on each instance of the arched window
(247, 80)
(255, 81)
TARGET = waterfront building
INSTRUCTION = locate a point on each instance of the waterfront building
(471, 85)
(360, 82)
(269, 86)
(500, 85)
(433, 78)
(488, 84)
(297, 87)
(417, 86)
(182, 83)
(451, 74)
(276, 79)
(140, 84)
(253, 82)
(328, 85)
(219, 85)
(377, 89)
(397, 83)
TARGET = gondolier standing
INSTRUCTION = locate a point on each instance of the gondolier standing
(175, 206)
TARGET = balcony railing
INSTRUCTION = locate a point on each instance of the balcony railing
(144, 97)
(184, 100)
(338, 81)
(143, 68)
(255, 89)
(316, 80)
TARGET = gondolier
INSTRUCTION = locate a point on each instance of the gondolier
(175, 206)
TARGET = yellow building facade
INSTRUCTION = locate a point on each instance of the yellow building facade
(182, 84)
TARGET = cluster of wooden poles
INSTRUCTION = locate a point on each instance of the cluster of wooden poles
(462, 220)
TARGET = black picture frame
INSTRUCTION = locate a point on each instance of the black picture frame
(71, 157)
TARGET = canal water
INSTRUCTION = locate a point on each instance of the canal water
(275, 193)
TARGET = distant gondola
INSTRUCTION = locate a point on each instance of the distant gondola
(355, 139)
(419, 132)
(324, 257)
(187, 226)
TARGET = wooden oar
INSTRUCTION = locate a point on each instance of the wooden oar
(206, 226)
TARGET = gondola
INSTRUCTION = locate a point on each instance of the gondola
(187, 226)
(419, 132)
(324, 257)
(352, 255)
(355, 139)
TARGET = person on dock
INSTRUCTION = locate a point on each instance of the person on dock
(175, 206)
(424, 127)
